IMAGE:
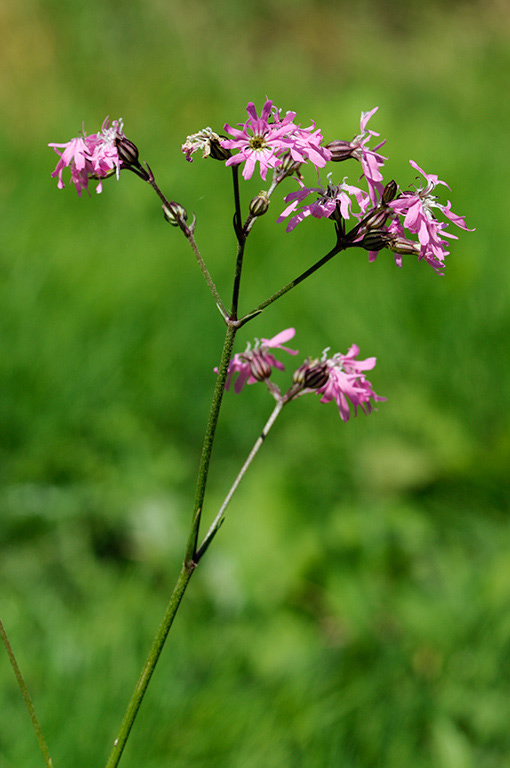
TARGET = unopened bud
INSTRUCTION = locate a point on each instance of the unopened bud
(288, 166)
(259, 204)
(340, 150)
(173, 212)
(389, 192)
(375, 240)
(300, 373)
(401, 245)
(127, 151)
(376, 218)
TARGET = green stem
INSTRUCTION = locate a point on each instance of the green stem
(237, 278)
(150, 664)
(205, 457)
(205, 272)
(218, 520)
(188, 233)
(26, 696)
(257, 310)
(189, 560)
(192, 554)
(242, 233)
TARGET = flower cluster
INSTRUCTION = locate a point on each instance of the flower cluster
(409, 213)
(337, 377)
(415, 212)
(405, 222)
(90, 157)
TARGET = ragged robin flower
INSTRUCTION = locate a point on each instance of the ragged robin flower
(340, 378)
(267, 138)
(90, 157)
(256, 363)
(325, 203)
(208, 142)
(415, 212)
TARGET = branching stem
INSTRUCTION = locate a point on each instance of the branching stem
(218, 520)
(293, 283)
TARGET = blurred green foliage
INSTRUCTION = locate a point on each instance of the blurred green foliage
(355, 608)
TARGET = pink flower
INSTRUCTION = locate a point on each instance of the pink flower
(325, 204)
(256, 364)
(347, 383)
(305, 144)
(417, 211)
(87, 157)
(266, 138)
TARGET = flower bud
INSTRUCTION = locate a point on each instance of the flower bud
(259, 204)
(375, 240)
(389, 192)
(288, 166)
(401, 245)
(127, 151)
(340, 150)
(376, 218)
(173, 212)
(299, 374)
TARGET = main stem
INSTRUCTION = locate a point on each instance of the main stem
(189, 564)
(205, 458)
(149, 666)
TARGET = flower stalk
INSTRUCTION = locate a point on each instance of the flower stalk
(384, 217)
(220, 516)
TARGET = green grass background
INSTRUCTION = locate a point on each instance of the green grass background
(354, 611)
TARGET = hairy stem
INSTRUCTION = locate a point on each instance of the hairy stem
(208, 279)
